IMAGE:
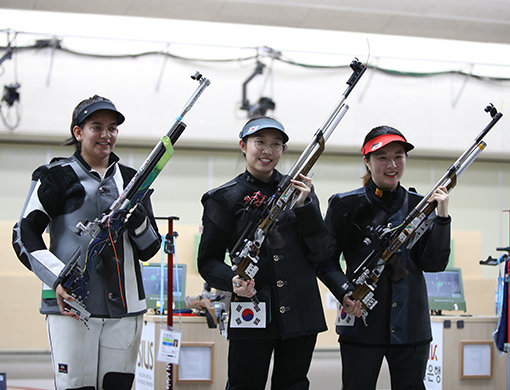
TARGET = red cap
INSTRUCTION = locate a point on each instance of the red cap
(383, 140)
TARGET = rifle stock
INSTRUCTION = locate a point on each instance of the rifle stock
(388, 241)
(138, 186)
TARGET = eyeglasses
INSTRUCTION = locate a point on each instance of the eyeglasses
(263, 145)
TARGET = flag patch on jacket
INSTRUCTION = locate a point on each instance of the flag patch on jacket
(247, 315)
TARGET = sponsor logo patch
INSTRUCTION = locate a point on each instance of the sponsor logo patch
(62, 368)
(376, 145)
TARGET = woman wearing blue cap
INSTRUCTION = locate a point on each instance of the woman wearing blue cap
(289, 314)
(71, 190)
(398, 327)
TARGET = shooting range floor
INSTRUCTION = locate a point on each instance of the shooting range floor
(32, 371)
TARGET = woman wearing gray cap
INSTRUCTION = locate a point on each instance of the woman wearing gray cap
(398, 326)
(289, 314)
(71, 190)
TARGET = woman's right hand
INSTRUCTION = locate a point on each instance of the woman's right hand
(62, 294)
(243, 288)
(351, 306)
(304, 186)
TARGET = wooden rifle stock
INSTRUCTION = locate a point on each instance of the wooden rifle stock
(245, 253)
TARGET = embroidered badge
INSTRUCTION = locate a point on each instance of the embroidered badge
(62, 368)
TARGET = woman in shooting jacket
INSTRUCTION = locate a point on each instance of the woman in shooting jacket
(398, 327)
(289, 314)
(101, 355)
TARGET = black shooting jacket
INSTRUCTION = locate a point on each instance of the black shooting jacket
(401, 316)
(286, 279)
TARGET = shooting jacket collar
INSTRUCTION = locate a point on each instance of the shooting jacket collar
(275, 177)
(387, 200)
(255, 184)
(114, 159)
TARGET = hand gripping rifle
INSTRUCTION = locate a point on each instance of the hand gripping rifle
(245, 253)
(386, 240)
(107, 228)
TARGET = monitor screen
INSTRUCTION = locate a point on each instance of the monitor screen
(151, 275)
(445, 290)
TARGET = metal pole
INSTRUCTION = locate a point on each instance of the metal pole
(169, 250)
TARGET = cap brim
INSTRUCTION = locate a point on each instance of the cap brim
(383, 140)
(98, 106)
(257, 125)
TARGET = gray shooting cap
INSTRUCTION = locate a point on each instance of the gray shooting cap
(256, 125)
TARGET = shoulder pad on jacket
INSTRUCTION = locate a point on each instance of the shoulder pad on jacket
(54, 161)
(344, 195)
(218, 190)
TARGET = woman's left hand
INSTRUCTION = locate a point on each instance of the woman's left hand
(304, 186)
(243, 288)
(440, 195)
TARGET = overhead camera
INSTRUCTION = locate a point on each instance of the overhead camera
(261, 107)
(263, 104)
(9, 114)
(11, 94)
(9, 111)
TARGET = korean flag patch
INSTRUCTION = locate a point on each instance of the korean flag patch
(344, 319)
(247, 315)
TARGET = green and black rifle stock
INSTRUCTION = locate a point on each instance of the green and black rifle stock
(110, 224)
(386, 240)
(245, 254)
(138, 187)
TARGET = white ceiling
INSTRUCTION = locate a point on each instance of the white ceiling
(470, 20)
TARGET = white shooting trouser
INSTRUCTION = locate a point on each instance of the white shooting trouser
(82, 357)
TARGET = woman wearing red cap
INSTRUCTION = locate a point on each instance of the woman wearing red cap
(285, 323)
(398, 327)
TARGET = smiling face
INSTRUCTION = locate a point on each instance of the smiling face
(387, 165)
(263, 151)
(97, 137)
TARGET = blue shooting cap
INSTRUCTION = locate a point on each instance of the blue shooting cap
(257, 124)
(92, 108)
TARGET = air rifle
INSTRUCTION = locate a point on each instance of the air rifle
(386, 240)
(107, 228)
(245, 253)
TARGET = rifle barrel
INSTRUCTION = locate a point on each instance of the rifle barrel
(159, 150)
(468, 156)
